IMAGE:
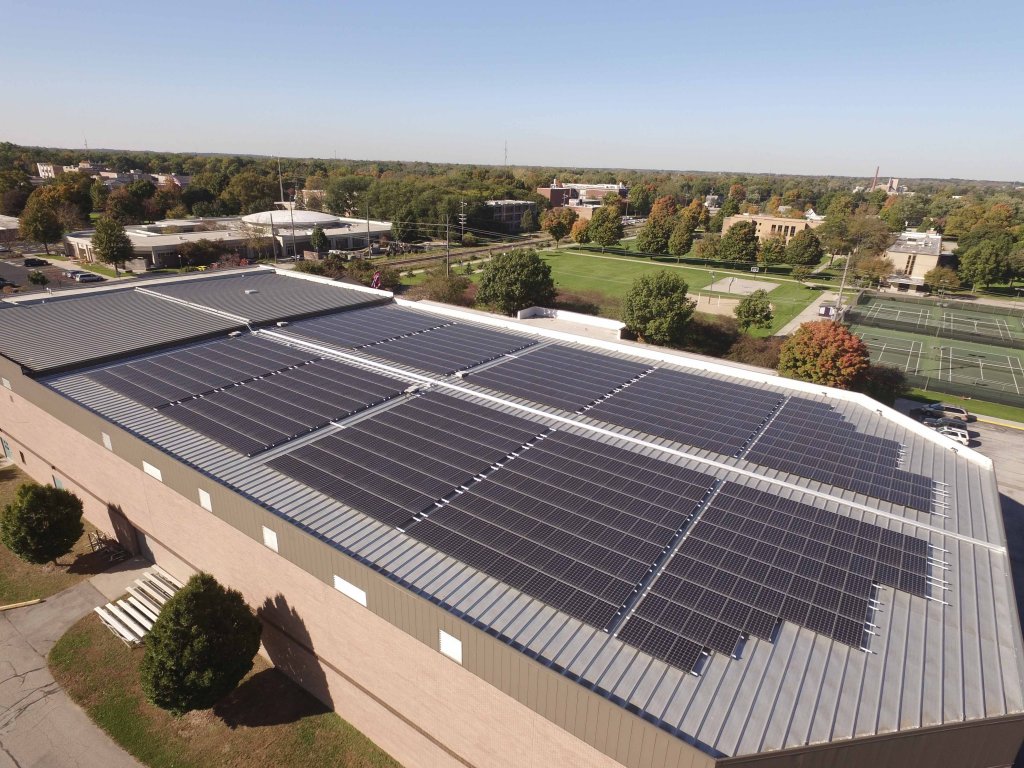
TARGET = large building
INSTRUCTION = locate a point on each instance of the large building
(491, 544)
(281, 232)
(508, 214)
(913, 255)
(767, 227)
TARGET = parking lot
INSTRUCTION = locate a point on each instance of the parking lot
(13, 271)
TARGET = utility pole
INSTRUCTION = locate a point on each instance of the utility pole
(368, 250)
(842, 285)
(462, 221)
(280, 179)
(447, 249)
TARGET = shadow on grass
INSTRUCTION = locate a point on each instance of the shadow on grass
(267, 698)
(89, 564)
(294, 689)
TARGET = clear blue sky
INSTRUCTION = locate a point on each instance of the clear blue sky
(919, 88)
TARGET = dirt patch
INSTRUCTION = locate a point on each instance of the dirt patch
(741, 286)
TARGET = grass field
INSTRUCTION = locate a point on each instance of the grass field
(268, 721)
(606, 279)
(980, 407)
(20, 581)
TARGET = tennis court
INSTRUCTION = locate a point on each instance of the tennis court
(984, 369)
(955, 320)
(988, 326)
(898, 352)
(900, 312)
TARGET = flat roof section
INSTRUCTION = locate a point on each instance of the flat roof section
(266, 295)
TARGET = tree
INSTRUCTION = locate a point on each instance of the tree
(739, 243)
(884, 383)
(528, 222)
(580, 232)
(696, 215)
(874, 269)
(42, 523)
(867, 234)
(800, 273)
(37, 278)
(804, 248)
(558, 222)
(605, 227)
(448, 289)
(715, 222)
(983, 264)
(654, 235)
(708, 247)
(942, 279)
(681, 241)
(664, 208)
(111, 243)
(318, 239)
(98, 193)
(124, 207)
(515, 280)
(657, 309)
(201, 251)
(824, 352)
(773, 250)
(39, 222)
(641, 196)
(249, 192)
(200, 647)
(755, 310)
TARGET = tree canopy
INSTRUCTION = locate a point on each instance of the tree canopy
(39, 222)
(681, 240)
(942, 279)
(804, 248)
(318, 239)
(824, 352)
(110, 242)
(558, 222)
(739, 243)
(657, 309)
(42, 523)
(200, 647)
(755, 310)
(605, 227)
(984, 264)
(515, 280)
(581, 232)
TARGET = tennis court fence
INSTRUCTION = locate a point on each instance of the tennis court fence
(991, 392)
(857, 316)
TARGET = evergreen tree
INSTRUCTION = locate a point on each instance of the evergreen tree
(42, 523)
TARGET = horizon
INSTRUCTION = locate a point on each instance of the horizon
(795, 89)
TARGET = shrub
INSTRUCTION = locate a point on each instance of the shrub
(42, 523)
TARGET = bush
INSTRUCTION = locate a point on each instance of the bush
(200, 647)
(712, 335)
(754, 351)
(42, 523)
(515, 280)
(824, 352)
(449, 289)
(469, 239)
(884, 383)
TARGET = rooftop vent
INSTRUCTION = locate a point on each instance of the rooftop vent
(282, 323)
(235, 333)
(250, 291)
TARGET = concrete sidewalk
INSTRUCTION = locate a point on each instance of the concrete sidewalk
(809, 314)
(40, 727)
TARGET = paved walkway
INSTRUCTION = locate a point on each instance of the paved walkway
(40, 727)
(809, 313)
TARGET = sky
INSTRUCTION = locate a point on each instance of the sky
(919, 89)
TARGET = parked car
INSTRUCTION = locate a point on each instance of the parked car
(945, 421)
(953, 433)
(89, 277)
(34, 262)
(940, 410)
(70, 273)
(4, 249)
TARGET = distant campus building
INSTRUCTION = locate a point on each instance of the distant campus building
(257, 235)
(913, 255)
(508, 214)
(110, 177)
(582, 198)
(767, 227)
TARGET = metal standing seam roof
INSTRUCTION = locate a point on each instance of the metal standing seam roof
(929, 664)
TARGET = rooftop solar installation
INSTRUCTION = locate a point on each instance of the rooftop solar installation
(261, 413)
(570, 521)
(450, 348)
(810, 439)
(560, 376)
(398, 464)
(706, 413)
(162, 379)
(359, 327)
(754, 558)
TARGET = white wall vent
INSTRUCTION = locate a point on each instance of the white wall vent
(204, 500)
(269, 538)
(106, 441)
(350, 590)
(450, 646)
(6, 382)
(152, 471)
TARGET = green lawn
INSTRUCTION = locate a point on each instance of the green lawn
(20, 581)
(267, 721)
(606, 279)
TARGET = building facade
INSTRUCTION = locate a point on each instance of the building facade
(508, 214)
(767, 227)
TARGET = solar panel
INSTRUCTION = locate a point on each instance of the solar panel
(397, 464)
(264, 412)
(810, 439)
(165, 378)
(571, 521)
(357, 328)
(726, 579)
(449, 348)
(561, 376)
(706, 413)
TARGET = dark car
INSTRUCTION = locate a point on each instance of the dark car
(33, 262)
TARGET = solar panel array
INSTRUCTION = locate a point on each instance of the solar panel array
(570, 521)
(563, 377)
(718, 416)
(396, 465)
(265, 412)
(357, 328)
(165, 378)
(810, 439)
(754, 558)
(449, 348)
